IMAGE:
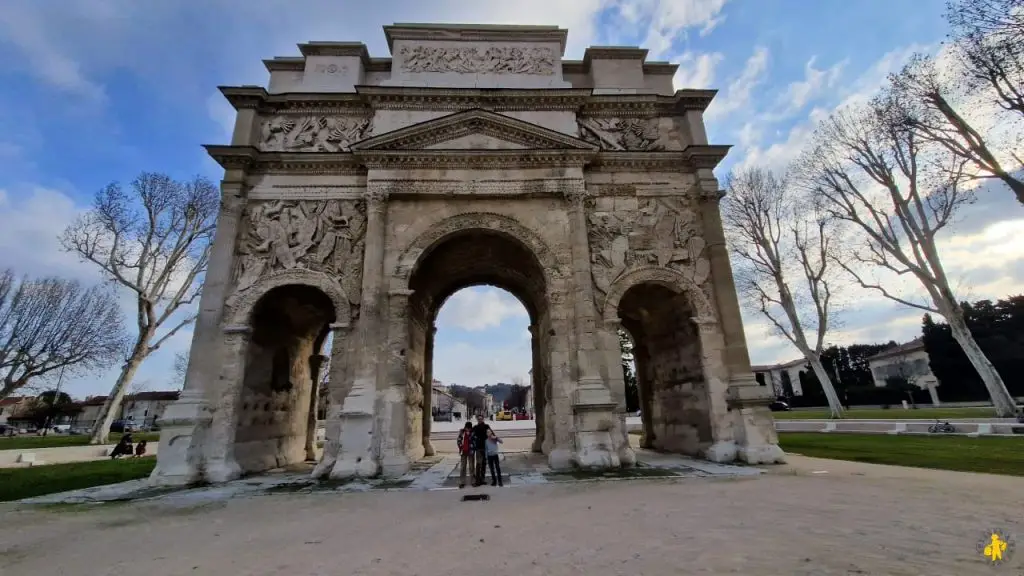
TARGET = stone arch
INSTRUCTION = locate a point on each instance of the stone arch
(498, 223)
(671, 279)
(241, 313)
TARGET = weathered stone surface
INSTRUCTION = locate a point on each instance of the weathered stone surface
(584, 207)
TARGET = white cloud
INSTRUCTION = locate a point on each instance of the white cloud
(476, 364)
(740, 90)
(798, 94)
(476, 309)
(696, 70)
(31, 221)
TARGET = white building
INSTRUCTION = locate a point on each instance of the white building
(908, 362)
(776, 376)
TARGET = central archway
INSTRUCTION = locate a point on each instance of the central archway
(462, 259)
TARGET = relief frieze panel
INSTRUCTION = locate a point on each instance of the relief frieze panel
(663, 232)
(472, 60)
(325, 236)
(622, 134)
(315, 133)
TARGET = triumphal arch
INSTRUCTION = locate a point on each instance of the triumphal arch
(361, 192)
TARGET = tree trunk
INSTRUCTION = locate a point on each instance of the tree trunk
(1016, 185)
(834, 404)
(101, 430)
(1004, 403)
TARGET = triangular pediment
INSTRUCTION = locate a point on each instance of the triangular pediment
(472, 130)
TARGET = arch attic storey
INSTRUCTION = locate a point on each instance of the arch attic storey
(359, 193)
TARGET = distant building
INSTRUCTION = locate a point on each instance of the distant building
(141, 410)
(13, 407)
(784, 378)
(908, 362)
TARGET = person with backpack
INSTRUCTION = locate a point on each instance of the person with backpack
(467, 450)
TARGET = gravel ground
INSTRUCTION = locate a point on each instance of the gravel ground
(852, 519)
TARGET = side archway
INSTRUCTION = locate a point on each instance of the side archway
(663, 312)
(241, 312)
(675, 281)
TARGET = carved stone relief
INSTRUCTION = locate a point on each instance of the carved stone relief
(663, 232)
(472, 60)
(312, 133)
(627, 134)
(326, 236)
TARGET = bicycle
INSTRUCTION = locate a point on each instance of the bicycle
(942, 428)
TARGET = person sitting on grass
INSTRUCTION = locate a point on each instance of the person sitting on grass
(123, 447)
(140, 449)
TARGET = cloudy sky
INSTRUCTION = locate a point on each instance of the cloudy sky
(93, 91)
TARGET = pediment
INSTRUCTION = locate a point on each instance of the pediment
(472, 130)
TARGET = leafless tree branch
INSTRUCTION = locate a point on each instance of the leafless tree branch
(50, 324)
(154, 240)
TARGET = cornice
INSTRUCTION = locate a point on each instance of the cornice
(233, 157)
(706, 156)
(454, 99)
(613, 53)
(367, 98)
(608, 161)
(244, 97)
(436, 131)
(477, 159)
(475, 33)
(687, 99)
(349, 49)
(621, 105)
(307, 163)
(285, 64)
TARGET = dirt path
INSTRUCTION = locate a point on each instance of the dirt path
(855, 519)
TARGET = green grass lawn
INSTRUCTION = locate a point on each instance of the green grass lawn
(960, 453)
(58, 440)
(891, 414)
(18, 483)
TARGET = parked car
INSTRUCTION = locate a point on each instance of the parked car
(779, 406)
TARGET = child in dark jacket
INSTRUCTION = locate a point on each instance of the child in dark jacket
(467, 448)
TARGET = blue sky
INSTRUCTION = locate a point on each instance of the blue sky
(97, 90)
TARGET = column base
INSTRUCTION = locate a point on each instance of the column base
(396, 466)
(538, 445)
(594, 451)
(178, 463)
(560, 459)
(346, 468)
(761, 454)
(721, 452)
(223, 471)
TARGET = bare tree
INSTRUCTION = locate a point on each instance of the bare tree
(928, 105)
(988, 38)
(154, 240)
(52, 324)
(180, 368)
(867, 169)
(768, 229)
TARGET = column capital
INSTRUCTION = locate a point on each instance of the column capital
(376, 197)
(711, 195)
(577, 194)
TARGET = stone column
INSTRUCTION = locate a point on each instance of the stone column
(736, 357)
(316, 361)
(593, 403)
(428, 390)
(399, 403)
(357, 455)
(753, 434)
(722, 447)
(186, 422)
(538, 382)
(338, 384)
